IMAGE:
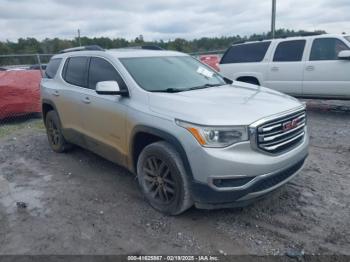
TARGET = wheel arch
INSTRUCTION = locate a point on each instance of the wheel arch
(249, 79)
(154, 134)
(46, 106)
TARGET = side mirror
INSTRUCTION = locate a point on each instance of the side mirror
(110, 88)
(344, 55)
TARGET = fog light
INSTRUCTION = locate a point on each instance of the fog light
(217, 182)
(232, 182)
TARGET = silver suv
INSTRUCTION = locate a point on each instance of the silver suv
(191, 136)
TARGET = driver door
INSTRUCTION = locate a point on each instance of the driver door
(104, 115)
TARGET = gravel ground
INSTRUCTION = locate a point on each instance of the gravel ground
(79, 203)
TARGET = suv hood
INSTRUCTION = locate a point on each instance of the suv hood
(236, 104)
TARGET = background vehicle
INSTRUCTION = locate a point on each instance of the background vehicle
(313, 66)
(19, 92)
(211, 60)
(189, 134)
(37, 67)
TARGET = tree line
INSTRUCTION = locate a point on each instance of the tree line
(32, 45)
(51, 46)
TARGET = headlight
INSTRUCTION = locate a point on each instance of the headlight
(216, 136)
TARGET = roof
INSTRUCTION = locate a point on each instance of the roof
(293, 38)
(119, 53)
(122, 53)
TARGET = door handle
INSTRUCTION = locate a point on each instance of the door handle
(310, 68)
(87, 100)
(274, 68)
(56, 93)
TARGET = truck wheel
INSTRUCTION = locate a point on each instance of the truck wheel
(54, 133)
(163, 179)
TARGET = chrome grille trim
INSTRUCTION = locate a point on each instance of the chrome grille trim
(274, 147)
(270, 136)
(269, 127)
(262, 138)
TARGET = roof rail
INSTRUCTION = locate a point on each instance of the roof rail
(146, 47)
(311, 33)
(82, 48)
(151, 47)
(239, 42)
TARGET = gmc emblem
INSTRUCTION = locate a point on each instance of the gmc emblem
(290, 124)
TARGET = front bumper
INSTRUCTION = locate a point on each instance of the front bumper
(207, 197)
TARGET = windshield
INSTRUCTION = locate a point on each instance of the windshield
(171, 74)
(347, 38)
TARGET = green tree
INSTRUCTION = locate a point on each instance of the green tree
(32, 45)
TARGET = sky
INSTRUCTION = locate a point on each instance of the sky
(165, 19)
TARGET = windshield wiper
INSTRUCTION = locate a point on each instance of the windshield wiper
(177, 90)
(168, 90)
(203, 86)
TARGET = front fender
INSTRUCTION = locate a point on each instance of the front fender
(171, 139)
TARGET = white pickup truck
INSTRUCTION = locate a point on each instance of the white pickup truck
(310, 67)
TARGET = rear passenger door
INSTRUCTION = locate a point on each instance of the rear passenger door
(69, 97)
(104, 115)
(285, 71)
(325, 74)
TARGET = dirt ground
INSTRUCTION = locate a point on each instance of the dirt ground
(79, 203)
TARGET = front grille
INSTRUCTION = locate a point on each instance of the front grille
(281, 134)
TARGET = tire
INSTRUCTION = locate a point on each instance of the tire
(163, 180)
(54, 133)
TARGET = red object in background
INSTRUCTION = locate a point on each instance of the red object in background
(19, 92)
(211, 60)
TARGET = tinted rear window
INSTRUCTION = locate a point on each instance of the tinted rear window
(52, 67)
(245, 53)
(75, 71)
(289, 51)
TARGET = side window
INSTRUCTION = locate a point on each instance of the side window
(326, 49)
(289, 51)
(75, 70)
(245, 53)
(52, 68)
(102, 70)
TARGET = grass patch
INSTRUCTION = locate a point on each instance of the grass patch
(10, 127)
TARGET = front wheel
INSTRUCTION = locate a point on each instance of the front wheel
(163, 179)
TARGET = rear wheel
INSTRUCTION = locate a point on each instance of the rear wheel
(163, 180)
(54, 133)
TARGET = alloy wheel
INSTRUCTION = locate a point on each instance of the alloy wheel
(54, 133)
(158, 180)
